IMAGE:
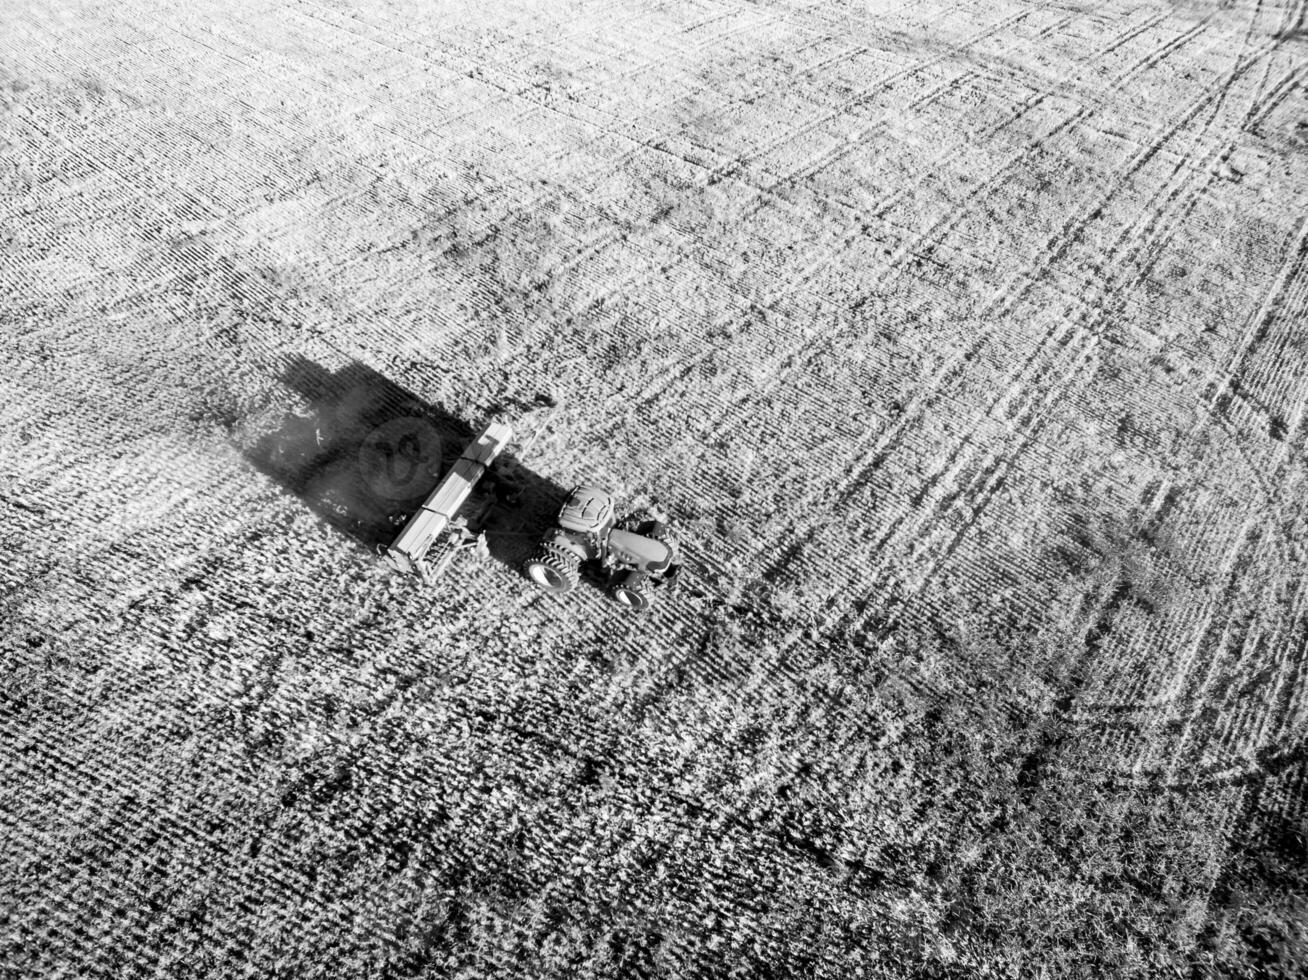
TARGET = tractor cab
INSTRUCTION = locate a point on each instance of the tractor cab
(587, 511)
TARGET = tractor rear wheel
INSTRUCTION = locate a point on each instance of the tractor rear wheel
(553, 569)
(647, 526)
(660, 532)
(638, 522)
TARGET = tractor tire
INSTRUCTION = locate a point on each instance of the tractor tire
(632, 591)
(646, 525)
(660, 532)
(553, 569)
(633, 599)
(633, 521)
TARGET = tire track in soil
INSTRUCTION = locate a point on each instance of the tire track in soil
(1267, 724)
(1150, 244)
(684, 372)
(989, 472)
(791, 352)
(772, 296)
(1198, 698)
(839, 152)
(1269, 518)
(787, 357)
(184, 202)
(489, 292)
(844, 624)
(1289, 705)
(1053, 734)
(1292, 275)
(1280, 302)
(1207, 641)
(1150, 60)
(645, 145)
(1274, 299)
(987, 74)
(237, 287)
(934, 235)
(474, 62)
(767, 297)
(1223, 636)
(193, 208)
(1266, 822)
(1221, 631)
(1003, 303)
(641, 144)
(736, 168)
(1281, 91)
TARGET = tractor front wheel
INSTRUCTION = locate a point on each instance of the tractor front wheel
(632, 591)
(554, 569)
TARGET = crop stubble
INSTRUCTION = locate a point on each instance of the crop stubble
(930, 319)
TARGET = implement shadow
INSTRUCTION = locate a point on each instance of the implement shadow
(366, 452)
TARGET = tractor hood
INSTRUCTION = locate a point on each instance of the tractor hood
(643, 553)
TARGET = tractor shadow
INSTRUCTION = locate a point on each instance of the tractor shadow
(365, 452)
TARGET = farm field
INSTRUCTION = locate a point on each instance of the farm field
(964, 345)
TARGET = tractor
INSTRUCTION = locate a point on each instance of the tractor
(633, 556)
